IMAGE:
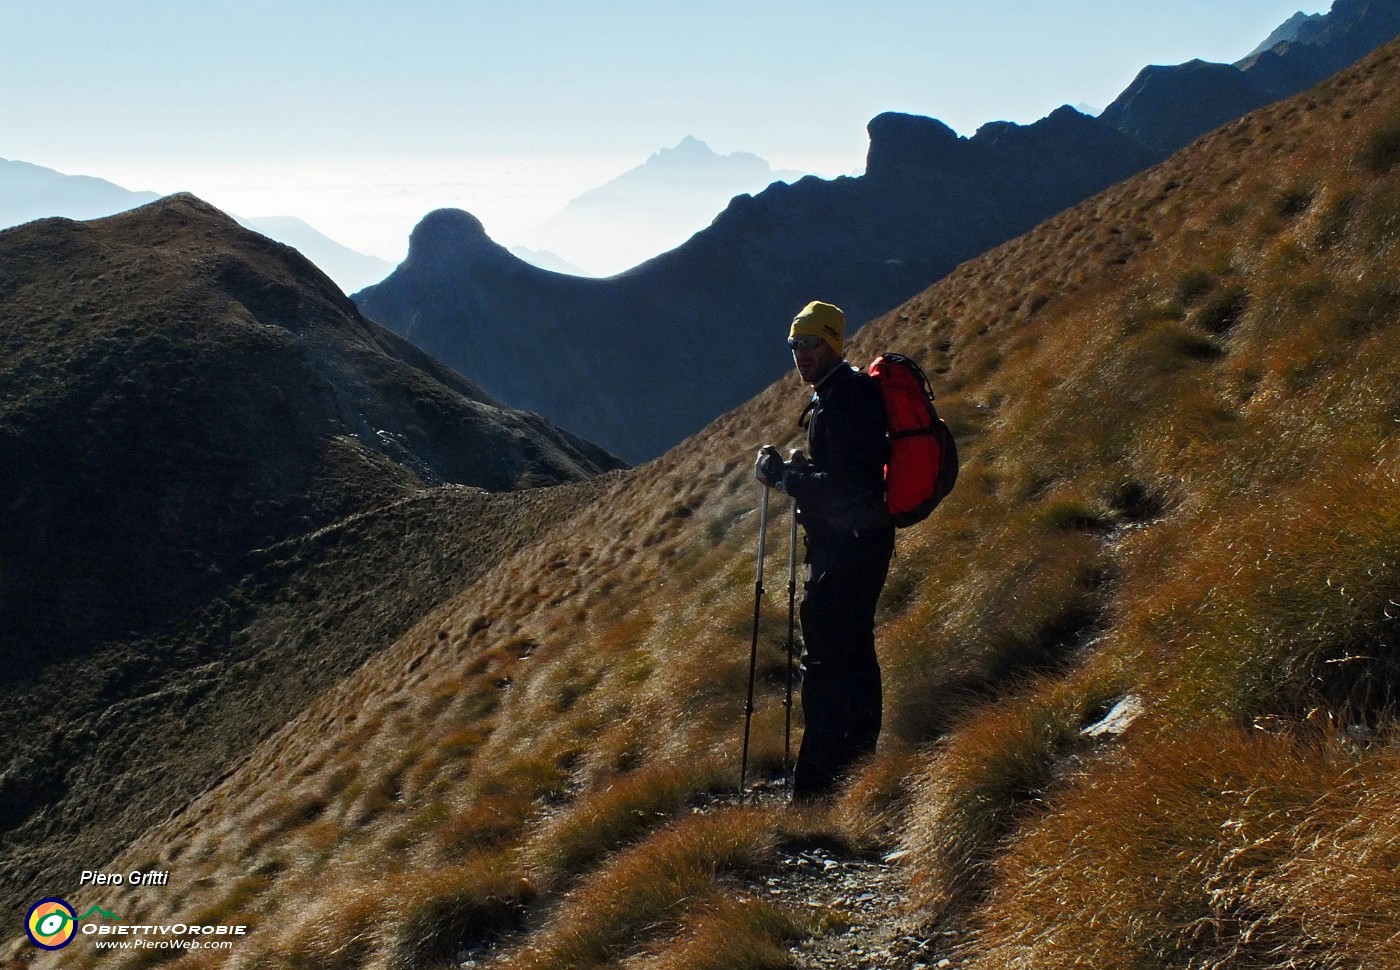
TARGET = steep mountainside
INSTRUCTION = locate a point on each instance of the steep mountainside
(1141, 668)
(638, 361)
(178, 391)
(629, 357)
(187, 412)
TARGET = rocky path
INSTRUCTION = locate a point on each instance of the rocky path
(861, 899)
(856, 900)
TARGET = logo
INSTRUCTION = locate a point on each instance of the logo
(51, 924)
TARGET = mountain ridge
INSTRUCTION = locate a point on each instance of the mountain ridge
(30, 192)
(1167, 107)
(865, 243)
(34, 192)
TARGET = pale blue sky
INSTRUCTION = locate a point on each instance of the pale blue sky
(520, 105)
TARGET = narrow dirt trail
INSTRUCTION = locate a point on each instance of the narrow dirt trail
(862, 900)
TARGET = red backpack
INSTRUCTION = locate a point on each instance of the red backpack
(923, 463)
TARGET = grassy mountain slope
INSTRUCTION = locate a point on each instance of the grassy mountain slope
(201, 438)
(1176, 403)
(179, 391)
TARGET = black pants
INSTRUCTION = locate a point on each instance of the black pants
(841, 691)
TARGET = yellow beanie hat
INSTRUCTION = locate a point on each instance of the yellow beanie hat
(821, 320)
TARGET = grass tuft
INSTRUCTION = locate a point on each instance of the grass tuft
(612, 815)
(1381, 151)
(731, 934)
(440, 915)
(647, 891)
(985, 782)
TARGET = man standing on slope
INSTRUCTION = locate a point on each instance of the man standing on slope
(840, 494)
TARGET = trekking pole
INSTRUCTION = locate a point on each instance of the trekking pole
(753, 650)
(791, 643)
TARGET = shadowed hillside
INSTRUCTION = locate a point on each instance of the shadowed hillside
(1141, 667)
(190, 391)
(201, 436)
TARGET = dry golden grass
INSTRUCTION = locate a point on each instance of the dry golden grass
(1228, 849)
(605, 818)
(1218, 418)
(650, 891)
(1176, 405)
(730, 934)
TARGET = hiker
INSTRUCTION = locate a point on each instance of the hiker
(838, 487)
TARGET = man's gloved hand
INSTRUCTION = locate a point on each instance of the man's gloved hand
(768, 468)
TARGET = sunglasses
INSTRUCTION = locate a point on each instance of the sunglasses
(804, 341)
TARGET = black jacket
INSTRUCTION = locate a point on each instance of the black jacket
(842, 489)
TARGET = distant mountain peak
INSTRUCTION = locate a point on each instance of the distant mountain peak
(692, 151)
(29, 192)
(1292, 29)
(454, 220)
(653, 207)
(689, 145)
(690, 161)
